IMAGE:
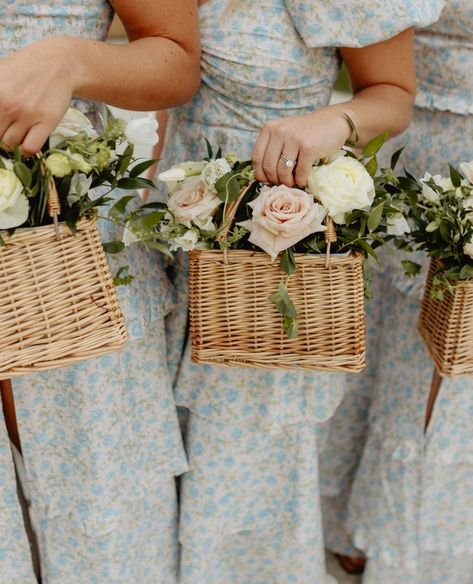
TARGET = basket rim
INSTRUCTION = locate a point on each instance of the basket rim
(353, 256)
(83, 222)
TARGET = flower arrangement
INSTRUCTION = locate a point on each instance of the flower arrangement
(217, 204)
(57, 296)
(440, 211)
(77, 159)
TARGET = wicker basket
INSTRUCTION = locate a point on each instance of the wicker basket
(447, 326)
(57, 301)
(234, 323)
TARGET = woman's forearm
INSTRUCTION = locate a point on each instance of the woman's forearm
(377, 109)
(110, 73)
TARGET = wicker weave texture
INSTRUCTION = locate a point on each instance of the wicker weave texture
(447, 327)
(234, 323)
(57, 300)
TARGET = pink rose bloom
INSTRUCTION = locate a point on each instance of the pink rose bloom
(193, 202)
(282, 217)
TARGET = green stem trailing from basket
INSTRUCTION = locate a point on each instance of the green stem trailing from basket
(281, 298)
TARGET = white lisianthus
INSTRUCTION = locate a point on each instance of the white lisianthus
(58, 164)
(467, 169)
(182, 171)
(14, 206)
(78, 162)
(429, 194)
(193, 201)
(342, 186)
(206, 225)
(468, 249)
(73, 123)
(281, 217)
(186, 242)
(143, 131)
(214, 170)
(397, 225)
(80, 184)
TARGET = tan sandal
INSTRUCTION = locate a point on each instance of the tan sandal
(351, 565)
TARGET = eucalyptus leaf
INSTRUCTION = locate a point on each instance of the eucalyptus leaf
(288, 262)
(148, 221)
(23, 173)
(466, 272)
(455, 176)
(129, 183)
(119, 207)
(372, 166)
(411, 268)
(395, 158)
(141, 167)
(375, 216)
(113, 247)
(375, 145)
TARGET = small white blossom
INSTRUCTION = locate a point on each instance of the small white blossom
(397, 225)
(214, 170)
(468, 249)
(186, 242)
(205, 225)
(128, 236)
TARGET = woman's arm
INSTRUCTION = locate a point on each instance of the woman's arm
(383, 81)
(158, 68)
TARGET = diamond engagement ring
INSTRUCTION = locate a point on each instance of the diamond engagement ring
(287, 161)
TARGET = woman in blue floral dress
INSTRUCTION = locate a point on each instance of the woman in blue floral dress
(250, 504)
(411, 504)
(100, 440)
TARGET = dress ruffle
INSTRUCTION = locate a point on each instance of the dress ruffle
(359, 23)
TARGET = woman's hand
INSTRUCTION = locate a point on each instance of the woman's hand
(383, 81)
(157, 69)
(36, 87)
(302, 140)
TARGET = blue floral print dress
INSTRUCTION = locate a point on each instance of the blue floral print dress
(101, 441)
(250, 509)
(412, 500)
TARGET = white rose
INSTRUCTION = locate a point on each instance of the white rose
(342, 186)
(193, 202)
(282, 217)
(14, 206)
(214, 170)
(467, 169)
(186, 242)
(468, 249)
(73, 123)
(397, 225)
(143, 131)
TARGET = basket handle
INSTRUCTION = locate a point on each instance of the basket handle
(330, 235)
(53, 203)
(231, 212)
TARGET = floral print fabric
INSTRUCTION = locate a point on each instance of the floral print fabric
(249, 511)
(410, 508)
(101, 440)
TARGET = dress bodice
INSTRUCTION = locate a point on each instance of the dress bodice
(444, 54)
(255, 65)
(88, 19)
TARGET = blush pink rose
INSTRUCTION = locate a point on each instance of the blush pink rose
(282, 217)
(193, 201)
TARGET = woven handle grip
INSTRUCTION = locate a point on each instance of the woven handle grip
(54, 204)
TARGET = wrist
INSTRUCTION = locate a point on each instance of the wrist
(66, 54)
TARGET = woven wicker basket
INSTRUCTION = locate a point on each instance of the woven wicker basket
(57, 300)
(447, 326)
(234, 323)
